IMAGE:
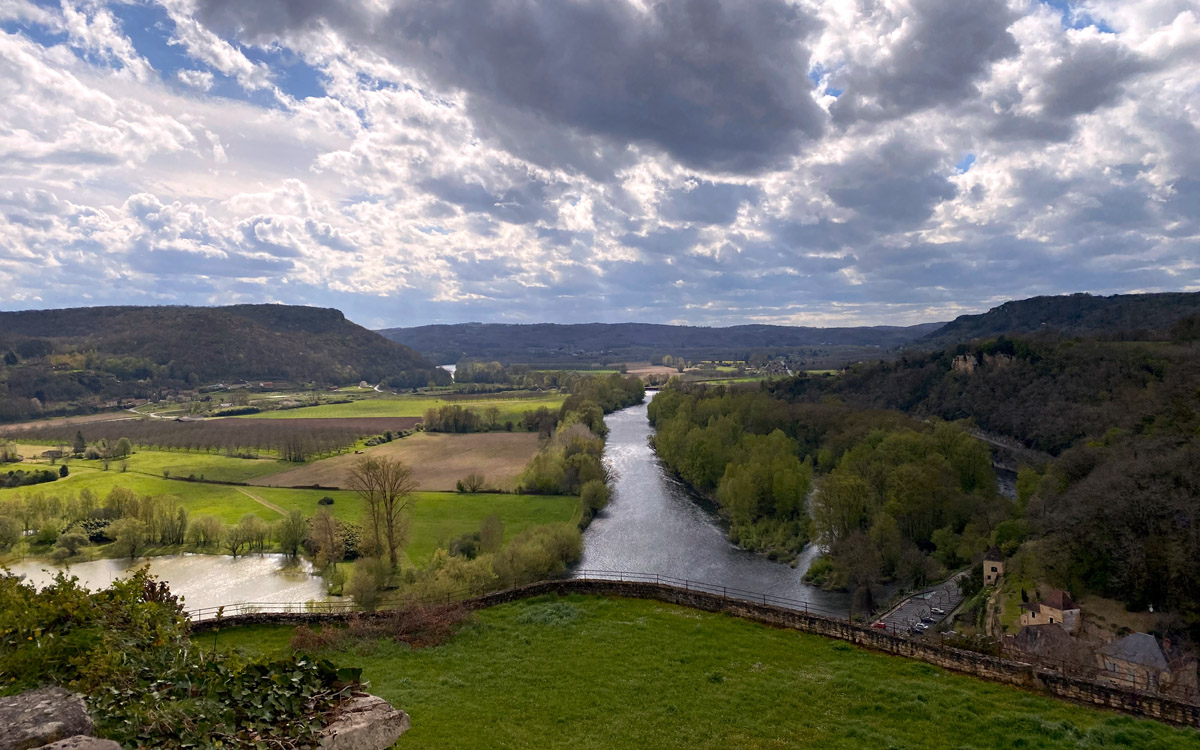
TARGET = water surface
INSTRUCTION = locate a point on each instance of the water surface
(655, 525)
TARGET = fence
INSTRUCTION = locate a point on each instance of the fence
(232, 611)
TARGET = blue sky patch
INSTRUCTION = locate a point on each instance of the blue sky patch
(964, 164)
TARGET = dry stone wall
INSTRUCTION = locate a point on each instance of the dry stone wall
(967, 662)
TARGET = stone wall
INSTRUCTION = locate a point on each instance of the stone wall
(967, 662)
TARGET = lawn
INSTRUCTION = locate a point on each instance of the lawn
(587, 672)
(416, 406)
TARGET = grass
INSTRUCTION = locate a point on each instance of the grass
(437, 516)
(586, 672)
(414, 406)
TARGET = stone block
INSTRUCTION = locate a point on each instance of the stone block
(38, 717)
(366, 722)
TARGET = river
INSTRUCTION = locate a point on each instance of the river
(653, 524)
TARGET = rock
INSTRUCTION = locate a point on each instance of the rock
(366, 722)
(38, 717)
(82, 742)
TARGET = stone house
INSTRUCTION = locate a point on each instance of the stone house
(993, 566)
(1134, 661)
(1055, 608)
(1049, 644)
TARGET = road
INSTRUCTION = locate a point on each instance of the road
(944, 596)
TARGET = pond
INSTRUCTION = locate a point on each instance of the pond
(203, 580)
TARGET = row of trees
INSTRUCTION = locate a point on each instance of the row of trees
(292, 440)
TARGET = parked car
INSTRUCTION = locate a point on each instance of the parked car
(937, 611)
(927, 618)
(921, 627)
(879, 625)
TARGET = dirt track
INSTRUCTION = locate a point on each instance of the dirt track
(438, 460)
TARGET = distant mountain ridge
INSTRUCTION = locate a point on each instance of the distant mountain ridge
(1133, 316)
(66, 360)
(541, 341)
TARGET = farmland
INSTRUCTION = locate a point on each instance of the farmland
(511, 408)
(588, 672)
(438, 460)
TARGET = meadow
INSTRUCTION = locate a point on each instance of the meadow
(436, 517)
(416, 406)
(588, 672)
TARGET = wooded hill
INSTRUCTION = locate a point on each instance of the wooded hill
(83, 355)
(552, 342)
(1125, 317)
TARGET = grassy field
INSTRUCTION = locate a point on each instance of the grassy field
(415, 406)
(436, 517)
(438, 460)
(585, 672)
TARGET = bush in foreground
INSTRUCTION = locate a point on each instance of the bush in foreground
(148, 685)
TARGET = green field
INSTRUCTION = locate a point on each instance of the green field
(414, 406)
(587, 672)
(436, 517)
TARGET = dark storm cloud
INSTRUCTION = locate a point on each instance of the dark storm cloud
(1091, 75)
(717, 84)
(944, 48)
(707, 203)
(896, 187)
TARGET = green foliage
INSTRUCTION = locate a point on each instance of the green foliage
(290, 532)
(10, 533)
(129, 536)
(126, 648)
(22, 478)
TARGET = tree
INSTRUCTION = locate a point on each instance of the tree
(80, 445)
(473, 482)
(10, 532)
(72, 540)
(594, 495)
(255, 531)
(63, 471)
(326, 536)
(491, 533)
(235, 539)
(367, 582)
(492, 414)
(204, 531)
(387, 486)
(290, 533)
(123, 448)
(10, 358)
(129, 535)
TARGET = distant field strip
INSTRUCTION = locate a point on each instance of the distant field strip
(438, 461)
(413, 407)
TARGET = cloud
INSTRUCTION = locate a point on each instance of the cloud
(705, 161)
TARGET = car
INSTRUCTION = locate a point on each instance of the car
(915, 630)
(879, 625)
(937, 611)
(920, 626)
(927, 618)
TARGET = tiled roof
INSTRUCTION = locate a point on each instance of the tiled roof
(1059, 599)
(1138, 648)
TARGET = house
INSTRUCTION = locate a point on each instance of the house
(1048, 644)
(993, 566)
(1135, 661)
(1055, 608)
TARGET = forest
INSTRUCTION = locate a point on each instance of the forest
(57, 362)
(897, 500)
(1115, 507)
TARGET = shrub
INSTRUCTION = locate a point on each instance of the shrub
(325, 501)
(130, 641)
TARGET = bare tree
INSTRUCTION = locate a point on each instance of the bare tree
(388, 487)
(327, 536)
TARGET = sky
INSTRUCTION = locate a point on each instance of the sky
(711, 162)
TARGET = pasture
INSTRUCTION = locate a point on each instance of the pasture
(589, 672)
(438, 460)
(511, 408)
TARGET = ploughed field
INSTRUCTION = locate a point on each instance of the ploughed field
(438, 461)
(590, 672)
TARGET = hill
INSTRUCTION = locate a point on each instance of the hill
(1132, 317)
(553, 342)
(82, 356)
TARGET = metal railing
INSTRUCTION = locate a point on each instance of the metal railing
(240, 609)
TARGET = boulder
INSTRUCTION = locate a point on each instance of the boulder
(38, 717)
(365, 722)
(82, 742)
